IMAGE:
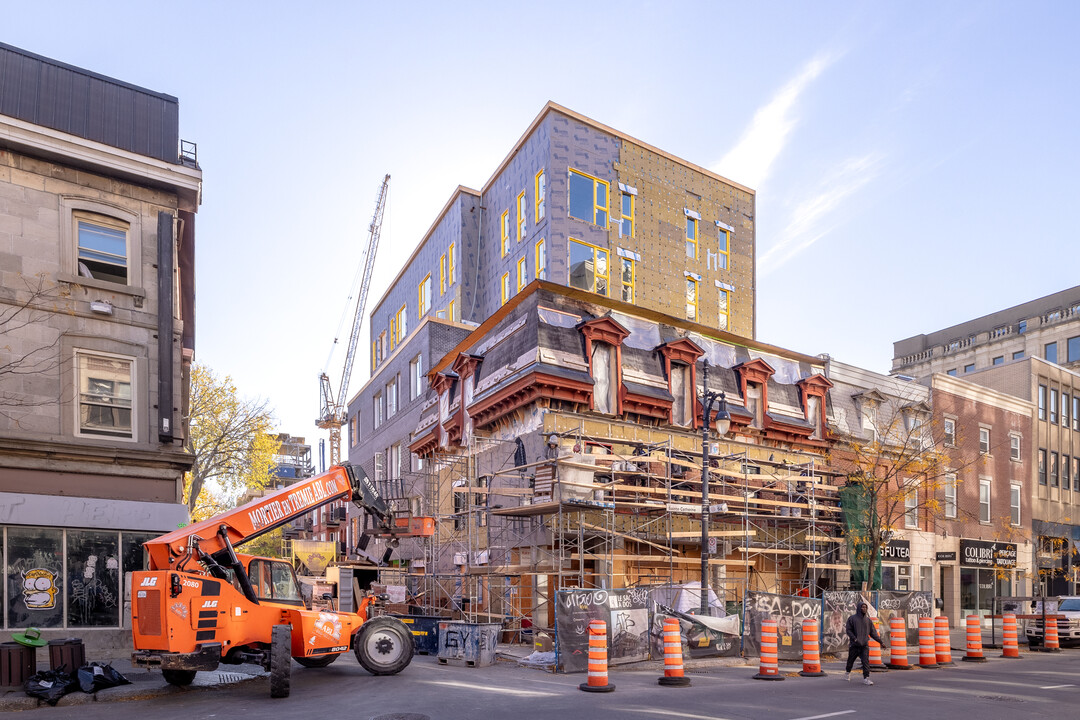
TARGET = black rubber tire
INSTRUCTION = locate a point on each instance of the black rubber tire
(384, 646)
(1034, 642)
(318, 660)
(179, 678)
(280, 660)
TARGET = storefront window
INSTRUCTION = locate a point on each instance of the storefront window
(93, 578)
(35, 577)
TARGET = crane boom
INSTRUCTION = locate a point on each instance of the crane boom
(332, 408)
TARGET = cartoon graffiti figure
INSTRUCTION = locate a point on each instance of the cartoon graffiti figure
(39, 589)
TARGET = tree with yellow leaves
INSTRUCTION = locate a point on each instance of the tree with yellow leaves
(231, 441)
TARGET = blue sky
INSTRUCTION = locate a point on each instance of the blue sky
(915, 162)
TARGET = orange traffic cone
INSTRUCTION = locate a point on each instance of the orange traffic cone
(598, 680)
(1050, 641)
(673, 664)
(942, 641)
(811, 649)
(875, 651)
(898, 659)
(927, 654)
(974, 640)
(769, 668)
(1010, 647)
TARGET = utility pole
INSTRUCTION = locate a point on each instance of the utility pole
(723, 423)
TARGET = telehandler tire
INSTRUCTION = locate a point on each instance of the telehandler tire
(179, 678)
(384, 646)
(280, 660)
(317, 661)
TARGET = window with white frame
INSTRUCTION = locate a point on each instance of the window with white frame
(869, 419)
(394, 456)
(984, 500)
(950, 432)
(911, 506)
(984, 441)
(1014, 504)
(391, 397)
(950, 495)
(418, 383)
(102, 248)
(105, 385)
(380, 469)
(377, 410)
(1014, 446)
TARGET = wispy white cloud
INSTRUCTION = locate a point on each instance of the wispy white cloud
(816, 216)
(752, 158)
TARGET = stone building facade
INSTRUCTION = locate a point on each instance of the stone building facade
(97, 248)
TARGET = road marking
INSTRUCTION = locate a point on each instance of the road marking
(976, 693)
(1055, 687)
(486, 688)
(816, 717)
(672, 713)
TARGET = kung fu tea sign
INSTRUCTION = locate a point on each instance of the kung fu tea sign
(986, 554)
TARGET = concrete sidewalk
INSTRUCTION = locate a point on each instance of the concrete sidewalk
(144, 684)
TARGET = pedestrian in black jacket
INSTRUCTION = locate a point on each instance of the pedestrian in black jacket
(860, 628)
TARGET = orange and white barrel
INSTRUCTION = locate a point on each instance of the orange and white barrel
(974, 640)
(1010, 646)
(927, 653)
(769, 668)
(673, 661)
(898, 659)
(811, 649)
(942, 641)
(876, 665)
(1051, 642)
(598, 675)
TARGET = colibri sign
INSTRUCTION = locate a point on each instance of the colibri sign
(983, 553)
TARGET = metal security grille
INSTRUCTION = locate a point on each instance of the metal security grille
(150, 613)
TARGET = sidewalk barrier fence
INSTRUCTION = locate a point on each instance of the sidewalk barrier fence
(927, 652)
(898, 658)
(598, 674)
(811, 649)
(673, 659)
(974, 640)
(769, 668)
(1010, 647)
(942, 641)
(876, 665)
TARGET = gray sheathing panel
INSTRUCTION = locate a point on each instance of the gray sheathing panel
(501, 196)
(63, 97)
(648, 362)
(567, 340)
(451, 228)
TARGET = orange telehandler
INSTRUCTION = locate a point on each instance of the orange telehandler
(202, 603)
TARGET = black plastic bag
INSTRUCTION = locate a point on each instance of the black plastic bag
(51, 685)
(95, 676)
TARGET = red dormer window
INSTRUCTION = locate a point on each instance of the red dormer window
(680, 365)
(603, 349)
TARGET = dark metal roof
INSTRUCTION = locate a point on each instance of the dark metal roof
(63, 97)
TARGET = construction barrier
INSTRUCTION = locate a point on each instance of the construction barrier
(769, 668)
(942, 641)
(673, 662)
(1050, 636)
(1010, 647)
(811, 649)
(598, 679)
(876, 665)
(898, 659)
(927, 653)
(974, 640)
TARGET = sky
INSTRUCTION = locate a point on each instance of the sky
(914, 162)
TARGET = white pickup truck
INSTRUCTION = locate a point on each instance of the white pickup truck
(1068, 629)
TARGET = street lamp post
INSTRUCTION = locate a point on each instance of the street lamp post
(723, 423)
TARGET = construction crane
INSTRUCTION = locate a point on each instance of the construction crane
(332, 408)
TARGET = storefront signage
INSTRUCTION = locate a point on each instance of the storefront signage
(983, 553)
(896, 551)
(946, 556)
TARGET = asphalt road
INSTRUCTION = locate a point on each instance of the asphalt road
(1038, 685)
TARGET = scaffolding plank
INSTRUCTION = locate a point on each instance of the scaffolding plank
(827, 566)
(631, 537)
(712, 533)
(661, 559)
(776, 551)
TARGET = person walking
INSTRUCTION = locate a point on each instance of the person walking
(860, 628)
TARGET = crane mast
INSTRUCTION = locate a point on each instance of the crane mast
(332, 407)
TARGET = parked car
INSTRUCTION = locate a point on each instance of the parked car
(1068, 629)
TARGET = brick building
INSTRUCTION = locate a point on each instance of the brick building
(97, 296)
